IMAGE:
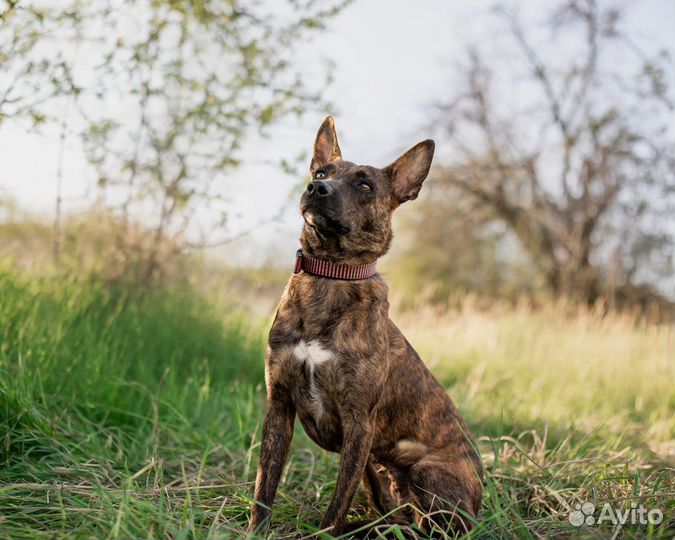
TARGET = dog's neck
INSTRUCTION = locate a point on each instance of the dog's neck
(340, 249)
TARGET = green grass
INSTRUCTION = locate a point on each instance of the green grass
(127, 413)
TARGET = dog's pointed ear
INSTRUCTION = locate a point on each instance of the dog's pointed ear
(409, 171)
(326, 147)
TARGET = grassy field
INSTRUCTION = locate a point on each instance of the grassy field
(135, 414)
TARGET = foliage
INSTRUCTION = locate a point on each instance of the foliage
(34, 69)
(132, 413)
(163, 93)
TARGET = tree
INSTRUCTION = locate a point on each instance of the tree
(580, 168)
(167, 91)
(33, 71)
(452, 247)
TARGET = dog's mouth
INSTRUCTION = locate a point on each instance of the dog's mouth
(324, 224)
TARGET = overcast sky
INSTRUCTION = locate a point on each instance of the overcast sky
(393, 60)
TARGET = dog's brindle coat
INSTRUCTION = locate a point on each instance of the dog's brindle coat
(337, 361)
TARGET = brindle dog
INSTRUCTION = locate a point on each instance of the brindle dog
(337, 361)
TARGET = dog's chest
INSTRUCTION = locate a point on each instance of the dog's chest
(314, 394)
(323, 337)
(314, 358)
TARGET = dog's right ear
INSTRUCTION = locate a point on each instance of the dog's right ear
(409, 171)
(326, 147)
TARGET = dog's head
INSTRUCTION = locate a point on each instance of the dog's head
(347, 208)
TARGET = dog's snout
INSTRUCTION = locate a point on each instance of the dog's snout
(317, 188)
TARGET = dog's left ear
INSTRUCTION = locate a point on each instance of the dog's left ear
(326, 147)
(409, 171)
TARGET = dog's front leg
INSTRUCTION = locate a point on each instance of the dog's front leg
(276, 440)
(357, 440)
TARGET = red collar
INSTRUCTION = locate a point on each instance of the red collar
(333, 270)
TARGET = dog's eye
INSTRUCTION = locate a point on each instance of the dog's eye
(319, 175)
(364, 186)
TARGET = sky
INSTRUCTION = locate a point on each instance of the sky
(393, 61)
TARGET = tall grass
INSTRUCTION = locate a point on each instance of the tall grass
(132, 413)
(103, 389)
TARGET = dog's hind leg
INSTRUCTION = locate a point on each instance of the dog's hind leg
(377, 486)
(384, 495)
(448, 494)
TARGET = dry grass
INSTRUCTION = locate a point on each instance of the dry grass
(559, 366)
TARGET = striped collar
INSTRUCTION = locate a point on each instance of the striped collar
(332, 270)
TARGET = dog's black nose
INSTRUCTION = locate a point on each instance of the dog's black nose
(317, 188)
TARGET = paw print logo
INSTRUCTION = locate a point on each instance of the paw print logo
(583, 514)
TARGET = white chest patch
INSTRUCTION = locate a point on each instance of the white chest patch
(313, 354)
